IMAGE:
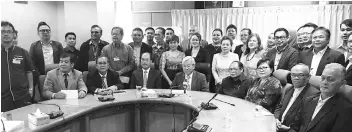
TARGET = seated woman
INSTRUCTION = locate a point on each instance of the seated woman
(222, 61)
(171, 62)
(252, 55)
(265, 90)
(199, 54)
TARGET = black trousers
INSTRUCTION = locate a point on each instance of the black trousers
(8, 104)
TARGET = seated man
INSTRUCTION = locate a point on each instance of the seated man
(146, 77)
(196, 81)
(98, 81)
(64, 78)
(328, 111)
(237, 84)
(288, 108)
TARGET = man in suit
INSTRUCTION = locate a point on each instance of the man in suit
(64, 78)
(98, 81)
(328, 111)
(320, 55)
(288, 108)
(138, 46)
(284, 56)
(304, 37)
(146, 77)
(194, 80)
(90, 49)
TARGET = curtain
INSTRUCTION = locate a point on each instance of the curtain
(263, 20)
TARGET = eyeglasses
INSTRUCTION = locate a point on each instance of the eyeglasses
(280, 37)
(6, 31)
(298, 75)
(44, 30)
(262, 68)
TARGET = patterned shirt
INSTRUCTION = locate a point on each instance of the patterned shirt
(157, 51)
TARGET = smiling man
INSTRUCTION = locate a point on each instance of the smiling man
(138, 46)
(346, 29)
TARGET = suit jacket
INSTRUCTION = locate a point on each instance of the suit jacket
(82, 63)
(36, 53)
(238, 50)
(202, 56)
(199, 82)
(54, 82)
(292, 112)
(144, 48)
(154, 78)
(330, 56)
(349, 76)
(94, 80)
(289, 57)
(334, 116)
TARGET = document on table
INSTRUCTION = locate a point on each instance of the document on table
(71, 94)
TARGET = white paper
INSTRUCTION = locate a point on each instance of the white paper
(124, 79)
(71, 94)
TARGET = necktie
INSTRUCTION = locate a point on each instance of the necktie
(187, 79)
(103, 86)
(145, 79)
(66, 82)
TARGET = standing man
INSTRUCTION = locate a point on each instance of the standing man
(150, 32)
(70, 39)
(284, 56)
(91, 49)
(138, 46)
(185, 43)
(159, 48)
(304, 37)
(120, 55)
(169, 33)
(231, 31)
(16, 71)
(320, 55)
(346, 29)
(146, 77)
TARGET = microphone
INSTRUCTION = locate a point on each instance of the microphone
(53, 114)
(225, 102)
(171, 94)
(105, 97)
(194, 117)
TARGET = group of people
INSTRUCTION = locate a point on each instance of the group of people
(240, 68)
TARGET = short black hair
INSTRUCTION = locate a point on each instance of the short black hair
(270, 62)
(174, 38)
(149, 28)
(218, 29)
(347, 22)
(94, 26)
(171, 30)
(249, 30)
(65, 55)
(101, 56)
(42, 24)
(227, 38)
(309, 24)
(70, 33)
(282, 29)
(7, 23)
(231, 26)
(162, 30)
(327, 31)
(240, 64)
(119, 28)
(138, 29)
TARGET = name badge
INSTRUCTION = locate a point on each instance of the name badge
(116, 59)
(17, 60)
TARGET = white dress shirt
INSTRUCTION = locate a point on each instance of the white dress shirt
(320, 105)
(277, 59)
(316, 60)
(48, 53)
(189, 80)
(350, 62)
(295, 94)
(147, 75)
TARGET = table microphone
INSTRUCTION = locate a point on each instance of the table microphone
(171, 94)
(53, 114)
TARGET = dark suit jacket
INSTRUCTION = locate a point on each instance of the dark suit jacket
(292, 112)
(82, 63)
(289, 57)
(144, 48)
(202, 56)
(238, 50)
(36, 53)
(349, 76)
(334, 116)
(94, 80)
(330, 56)
(154, 78)
(199, 82)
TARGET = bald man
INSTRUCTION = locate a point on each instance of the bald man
(185, 43)
(288, 108)
(328, 111)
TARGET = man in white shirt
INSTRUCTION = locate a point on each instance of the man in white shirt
(329, 111)
(288, 108)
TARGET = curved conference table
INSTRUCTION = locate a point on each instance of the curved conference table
(130, 113)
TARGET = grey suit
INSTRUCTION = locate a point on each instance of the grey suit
(54, 82)
(289, 57)
(199, 82)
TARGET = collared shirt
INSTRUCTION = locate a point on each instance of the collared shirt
(188, 78)
(63, 74)
(120, 56)
(349, 63)
(316, 60)
(137, 53)
(278, 56)
(157, 51)
(236, 87)
(48, 53)
(342, 48)
(150, 43)
(320, 105)
(74, 53)
(296, 93)
(146, 71)
(347, 55)
(93, 50)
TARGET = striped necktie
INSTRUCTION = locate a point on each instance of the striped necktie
(103, 85)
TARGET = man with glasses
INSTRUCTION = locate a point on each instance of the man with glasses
(288, 108)
(194, 80)
(90, 49)
(304, 37)
(16, 71)
(103, 80)
(284, 56)
(138, 46)
(237, 84)
(320, 55)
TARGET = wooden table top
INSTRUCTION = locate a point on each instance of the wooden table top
(244, 116)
